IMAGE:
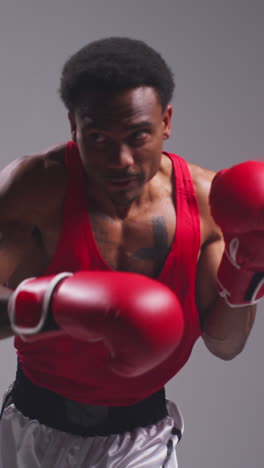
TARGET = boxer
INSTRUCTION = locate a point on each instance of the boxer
(116, 256)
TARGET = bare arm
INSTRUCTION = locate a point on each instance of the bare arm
(5, 329)
(28, 201)
(225, 329)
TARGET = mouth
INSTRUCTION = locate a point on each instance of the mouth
(121, 183)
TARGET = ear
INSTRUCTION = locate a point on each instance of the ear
(167, 122)
(72, 125)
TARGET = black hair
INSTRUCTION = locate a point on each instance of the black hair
(115, 64)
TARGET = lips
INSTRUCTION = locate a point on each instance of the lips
(121, 182)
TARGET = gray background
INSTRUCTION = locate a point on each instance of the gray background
(215, 49)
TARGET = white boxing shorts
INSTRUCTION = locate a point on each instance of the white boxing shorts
(25, 443)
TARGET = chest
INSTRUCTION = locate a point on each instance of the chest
(140, 244)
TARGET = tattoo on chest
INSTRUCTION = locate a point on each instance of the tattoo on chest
(159, 251)
(101, 226)
(119, 253)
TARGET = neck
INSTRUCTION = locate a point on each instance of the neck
(121, 210)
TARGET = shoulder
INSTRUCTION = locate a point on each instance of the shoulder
(30, 183)
(202, 180)
(212, 244)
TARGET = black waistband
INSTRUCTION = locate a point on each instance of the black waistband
(69, 416)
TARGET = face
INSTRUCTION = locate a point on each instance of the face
(120, 138)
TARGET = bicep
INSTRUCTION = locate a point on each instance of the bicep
(19, 209)
(19, 259)
(208, 264)
(20, 255)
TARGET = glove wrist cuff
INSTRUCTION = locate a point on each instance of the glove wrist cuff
(239, 287)
(28, 317)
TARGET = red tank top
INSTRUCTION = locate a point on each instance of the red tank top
(78, 370)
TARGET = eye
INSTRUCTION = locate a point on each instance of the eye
(98, 138)
(140, 137)
(140, 134)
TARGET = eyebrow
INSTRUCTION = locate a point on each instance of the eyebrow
(90, 123)
(135, 126)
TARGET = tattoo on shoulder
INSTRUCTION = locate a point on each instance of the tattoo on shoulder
(159, 251)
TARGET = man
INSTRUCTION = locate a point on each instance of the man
(123, 265)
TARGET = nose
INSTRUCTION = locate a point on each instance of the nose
(121, 157)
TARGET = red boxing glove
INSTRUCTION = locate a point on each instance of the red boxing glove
(139, 319)
(237, 206)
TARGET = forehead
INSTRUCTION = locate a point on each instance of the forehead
(137, 104)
